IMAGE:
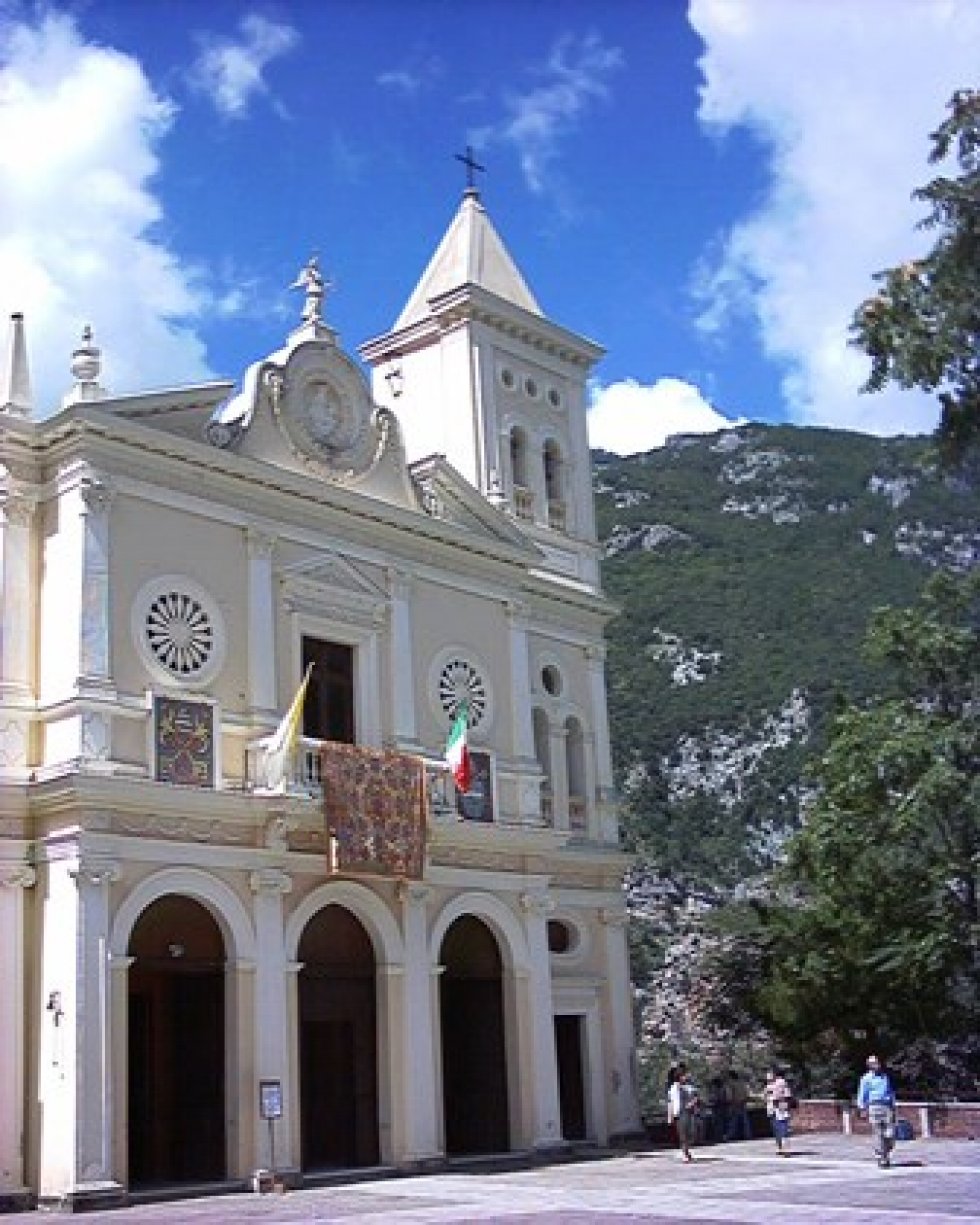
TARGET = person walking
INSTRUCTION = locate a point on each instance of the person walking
(682, 1104)
(778, 1098)
(876, 1096)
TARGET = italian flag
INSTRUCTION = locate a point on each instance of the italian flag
(457, 751)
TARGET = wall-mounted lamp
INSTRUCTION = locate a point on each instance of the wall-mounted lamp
(54, 1007)
(175, 950)
(395, 380)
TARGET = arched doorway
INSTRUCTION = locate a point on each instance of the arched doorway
(176, 1045)
(474, 1064)
(337, 1042)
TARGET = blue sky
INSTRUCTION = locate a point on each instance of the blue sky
(704, 188)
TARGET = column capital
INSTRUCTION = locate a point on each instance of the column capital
(270, 881)
(412, 892)
(613, 918)
(17, 876)
(17, 504)
(596, 652)
(97, 493)
(260, 544)
(95, 871)
(539, 904)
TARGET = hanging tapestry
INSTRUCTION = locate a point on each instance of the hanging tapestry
(374, 806)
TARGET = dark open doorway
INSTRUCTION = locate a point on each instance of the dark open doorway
(176, 1046)
(337, 1043)
(571, 1079)
(328, 710)
(474, 1065)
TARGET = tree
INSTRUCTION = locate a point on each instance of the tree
(874, 941)
(922, 327)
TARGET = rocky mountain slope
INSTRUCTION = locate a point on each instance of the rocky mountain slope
(746, 565)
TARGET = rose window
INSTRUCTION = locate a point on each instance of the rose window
(179, 633)
(460, 682)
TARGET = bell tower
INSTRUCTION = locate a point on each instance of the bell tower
(475, 372)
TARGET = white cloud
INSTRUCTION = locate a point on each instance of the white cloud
(231, 71)
(844, 94)
(629, 417)
(79, 126)
(574, 76)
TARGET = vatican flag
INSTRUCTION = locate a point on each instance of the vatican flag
(282, 742)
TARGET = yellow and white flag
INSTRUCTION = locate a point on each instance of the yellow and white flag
(282, 742)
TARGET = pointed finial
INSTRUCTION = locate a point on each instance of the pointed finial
(86, 366)
(15, 381)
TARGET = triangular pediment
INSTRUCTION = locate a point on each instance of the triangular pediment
(447, 496)
(333, 571)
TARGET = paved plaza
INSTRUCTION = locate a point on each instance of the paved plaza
(827, 1178)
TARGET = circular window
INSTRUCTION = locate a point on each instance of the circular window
(507, 378)
(460, 682)
(551, 680)
(531, 388)
(554, 397)
(178, 631)
(559, 936)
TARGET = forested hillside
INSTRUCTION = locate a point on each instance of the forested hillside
(746, 565)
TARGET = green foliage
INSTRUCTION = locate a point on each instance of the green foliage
(875, 939)
(922, 327)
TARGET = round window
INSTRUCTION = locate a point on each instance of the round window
(178, 631)
(460, 682)
(507, 378)
(531, 388)
(554, 397)
(559, 936)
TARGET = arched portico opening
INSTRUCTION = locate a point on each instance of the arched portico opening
(337, 1042)
(176, 1045)
(474, 1063)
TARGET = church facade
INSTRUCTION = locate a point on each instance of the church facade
(231, 941)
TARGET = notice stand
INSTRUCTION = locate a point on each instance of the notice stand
(270, 1109)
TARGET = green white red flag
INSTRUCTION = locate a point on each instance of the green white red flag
(457, 751)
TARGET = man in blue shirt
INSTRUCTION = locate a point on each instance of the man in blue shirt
(877, 1097)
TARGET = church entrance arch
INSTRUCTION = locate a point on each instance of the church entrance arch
(337, 1042)
(474, 1064)
(176, 1048)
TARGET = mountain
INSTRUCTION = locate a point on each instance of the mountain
(746, 565)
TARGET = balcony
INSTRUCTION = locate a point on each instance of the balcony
(557, 517)
(523, 502)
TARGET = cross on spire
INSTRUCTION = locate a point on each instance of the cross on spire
(472, 165)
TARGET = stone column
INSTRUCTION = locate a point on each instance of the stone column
(94, 1176)
(544, 1063)
(270, 886)
(119, 967)
(401, 662)
(94, 663)
(608, 829)
(14, 879)
(262, 696)
(416, 1066)
(622, 1094)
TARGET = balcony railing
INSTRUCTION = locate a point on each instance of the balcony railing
(523, 502)
(557, 517)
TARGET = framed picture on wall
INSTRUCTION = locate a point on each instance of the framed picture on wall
(183, 741)
(477, 803)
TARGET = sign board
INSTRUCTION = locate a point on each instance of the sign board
(183, 741)
(270, 1099)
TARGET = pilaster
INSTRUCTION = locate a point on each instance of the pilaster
(401, 663)
(270, 885)
(420, 1023)
(605, 796)
(622, 1095)
(17, 506)
(544, 1067)
(262, 698)
(15, 879)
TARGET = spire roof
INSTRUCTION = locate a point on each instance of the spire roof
(471, 253)
(15, 379)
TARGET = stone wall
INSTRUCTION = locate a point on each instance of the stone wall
(948, 1120)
